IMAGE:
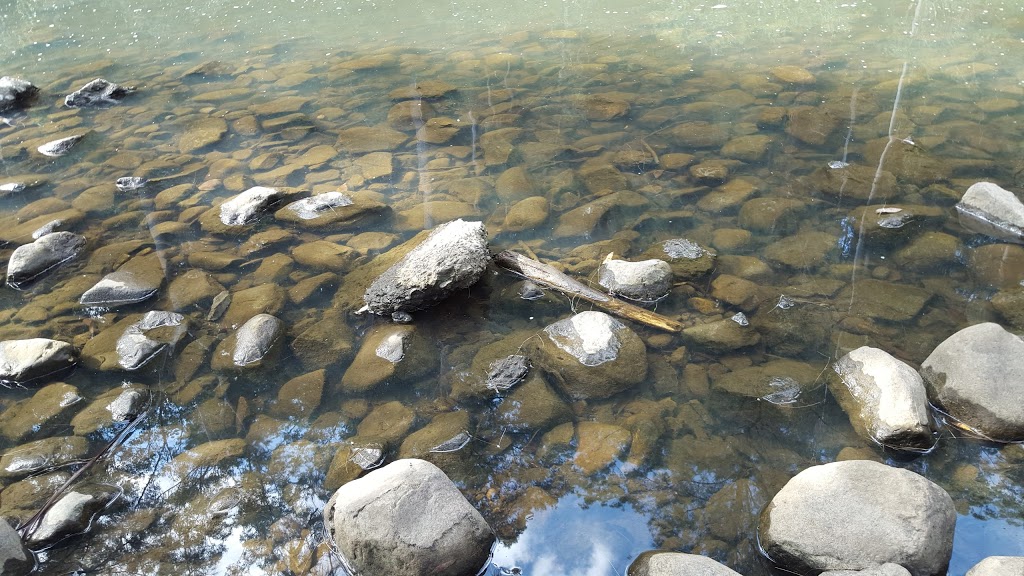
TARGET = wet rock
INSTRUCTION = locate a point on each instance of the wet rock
(15, 558)
(987, 208)
(592, 355)
(791, 331)
(351, 460)
(853, 181)
(438, 130)
(407, 518)
(998, 566)
(658, 563)
(40, 455)
(533, 405)
(262, 299)
(157, 332)
(22, 361)
(960, 373)
(647, 280)
(722, 335)
(884, 397)
(323, 255)
(202, 133)
(738, 292)
(332, 210)
(907, 161)
(446, 433)
(688, 259)
(114, 406)
(603, 107)
(72, 514)
(323, 342)
(362, 139)
(98, 92)
(894, 223)
(811, 124)
(802, 250)
(859, 514)
(930, 251)
(240, 210)
(772, 215)
(388, 422)
(389, 353)
(205, 456)
(376, 165)
(451, 258)
(882, 300)
(599, 445)
(300, 396)
(514, 185)
(507, 372)
(16, 93)
(601, 178)
(698, 135)
(1009, 305)
(778, 382)
(136, 280)
(43, 254)
(792, 75)
(194, 288)
(607, 212)
(887, 569)
(526, 214)
(710, 172)
(130, 183)
(751, 148)
(50, 406)
(997, 265)
(249, 346)
(427, 214)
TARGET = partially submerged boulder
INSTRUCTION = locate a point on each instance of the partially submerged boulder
(859, 514)
(989, 209)
(98, 92)
(332, 211)
(249, 346)
(389, 353)
(407, 518)
(975, 376)
(47, 252)
(240, 211)
(22, 361)
(659, 563)
(451, 258)
(647, 280)
(688, 259)
(138, 279)
(16, 93)
(884, 397)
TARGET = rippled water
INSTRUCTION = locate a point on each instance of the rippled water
(653, 97)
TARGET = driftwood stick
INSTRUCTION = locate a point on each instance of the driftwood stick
(550, 278)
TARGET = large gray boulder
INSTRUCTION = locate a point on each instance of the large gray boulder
(407, 518)
(32, 260)
(883, 570)
(14, 557)
(976, 376)
(658, 563)
(987, 208)
(451, 258)
(22, 361)
(998, 566)
(884, 397)
(591, 355)
(859, 514)
(16, 93)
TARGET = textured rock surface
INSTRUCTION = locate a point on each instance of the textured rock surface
(884, 397)
(987, 208)
(998, 566)
(98, 92)
(72, 514)
(647, 280)
(16, 93)
(390, 352)
(46, 252)
(22, 361)
(135, 281)
(452, 258)
(977, 377)
(407, 518)
(657, 563)
(14, 557)
(146, 339)
(883, 570)
(859, 514)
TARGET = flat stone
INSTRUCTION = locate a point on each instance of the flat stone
(883, 300)
(72, 514)
(688, 259)
(300, 396)
(722, 335)
(389, 353)
(35, 456)
(51, 405)
(251, 345)
(647, 280)
(114, 406)
(533, 406)
(202, 133)
(792, 75)
(332, 210)
(447, 432)
(49, 251)
(388, 422)
(989, 209)
(527, 214)
(15, 558)
(362, 139)
(262, 299)
(599, 446)
(136, 280)
(23, 361)
(803, 250)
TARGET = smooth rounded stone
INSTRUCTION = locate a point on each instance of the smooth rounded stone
(647, 280)
(42, 454)
(136, 280)
(194, 288)
(43, 254)
(802, 251)
(16, 93)
(245, 304)
(389, 353)
(722, 335)
(438, 130)
(388, 422)
(894, 223)
(747, 267)
(599, 445)
(22, 361)
(998, 566)
(514, 185)
(428, 89)
(859, 514)
(376, 165)
(772, 215)
(997, 265)
(812, 125)
(300, 396)
(301, 461)
(1009, 305)
(853, 181)
(736, 291)
(202, 133)
(883, 300)
(50, 406)
(116, 405)
(72, 514)
(409, 115)
(98, 92)
(208, 455)
(658, 563)
(240, 210)
(427, 214)
(591, 355)
(884, 397)
(155, 333)
(322, 255)
(602, 178)
(249, 346)
(960, 373)
(987, 208)
(698, 135)
(407, 518)
(533, 405)
(363, 139)
(710, 172)
(752, 148)
(450, 259)
(688, 259)
(61, 146)
(930, 251)
(780, 382)
(793, 330)
(446, 433)
(607, 212)
(603, 107)
(15, 558)
(792, 75)
(323, 342)
(332, 210)
(526, 214)
(887, 569)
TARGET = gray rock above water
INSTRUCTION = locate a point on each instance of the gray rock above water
(148, 338)
(250, 345)
(658, 563)
(14, 557)
(859, 514)
(135, 281)
(46, 252)
(332, 211)
(72, 514)
(407, 519)
(244, 208)
(647, 280)
(884, 397)
(987, 208)
(451, 258)
(98, 92)
(16, 93)
(998, 566)
(977, 377)
(22, 361)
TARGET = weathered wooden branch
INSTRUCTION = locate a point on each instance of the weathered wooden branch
(548, 277)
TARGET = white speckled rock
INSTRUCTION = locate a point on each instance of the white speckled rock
(987, 208)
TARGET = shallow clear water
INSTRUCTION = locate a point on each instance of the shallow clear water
(578, 87)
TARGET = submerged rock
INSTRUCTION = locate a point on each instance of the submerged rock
(60, 147)
(332, 210)
(592, 355)
(98, 92)
(646, 281)
(859, 514)
(16, 93)
(974, 377)
(250, 345)
(989, 209)
(451, 258)
(42, 454)
(659, 563)
(389, 353)
(884, 398)
(240, 210)
(50, 406)
(146, 339)
(22, 361)
(72, 514)
(45, 253)
(687, 258)
(407, 518)
(136, 280)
